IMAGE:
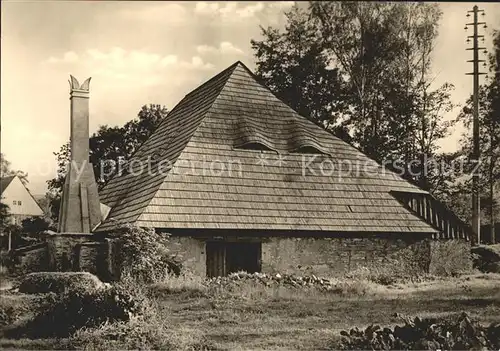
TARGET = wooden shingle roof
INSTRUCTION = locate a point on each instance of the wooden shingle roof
(206, 172)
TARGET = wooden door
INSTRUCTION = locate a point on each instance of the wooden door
(216, 259)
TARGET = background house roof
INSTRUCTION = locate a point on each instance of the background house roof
(265, 189)
(4, 182)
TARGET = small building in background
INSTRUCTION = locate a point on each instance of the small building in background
(20, 201)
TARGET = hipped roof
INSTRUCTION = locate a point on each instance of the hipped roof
(212, 126)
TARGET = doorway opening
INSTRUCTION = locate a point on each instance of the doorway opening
(224, 257)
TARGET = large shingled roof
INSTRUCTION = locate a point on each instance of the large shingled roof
(272, 180)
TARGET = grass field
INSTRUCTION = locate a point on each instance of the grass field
(255, 317)
(284, 319)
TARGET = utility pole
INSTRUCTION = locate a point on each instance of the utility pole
(476, 219)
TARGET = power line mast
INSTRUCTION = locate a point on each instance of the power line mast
(476, 152)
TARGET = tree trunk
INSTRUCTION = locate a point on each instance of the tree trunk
(492, 205)
(9, 245)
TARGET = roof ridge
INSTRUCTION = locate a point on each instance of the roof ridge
(218, 75)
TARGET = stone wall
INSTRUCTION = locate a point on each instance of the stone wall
(326, 257)
(93, 258)
(63, 251)
(337, 256)
(30, 259)
(191, 252)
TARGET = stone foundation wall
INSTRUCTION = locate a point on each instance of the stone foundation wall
(337, 256)
(326, 257)
(92, 258)
(31, 259)
(63, 251)
(331, 257)
(191, 252)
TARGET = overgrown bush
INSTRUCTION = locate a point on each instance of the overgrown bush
(406, 265)
(144, 254)
(59, 282)
(8, 315)
(8, 261)
(62, 315)
(450, 257)
(425, 334)
(15, 307)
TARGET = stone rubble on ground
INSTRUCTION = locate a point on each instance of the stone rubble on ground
(290, 280)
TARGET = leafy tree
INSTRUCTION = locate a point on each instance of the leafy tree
(5, 170)
(5, 225)
(107, 147)
(293, 65)
(5, 217)
(35, 225)
(11, 235)
(144, 254)
(55, 185)
(360, 40)
(376, 58)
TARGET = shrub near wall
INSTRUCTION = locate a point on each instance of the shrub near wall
(142, 255)
(59, 282)
(449, 257)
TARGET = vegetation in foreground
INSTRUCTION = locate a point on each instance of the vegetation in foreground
(187, 313)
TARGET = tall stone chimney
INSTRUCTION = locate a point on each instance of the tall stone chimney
(80, 206)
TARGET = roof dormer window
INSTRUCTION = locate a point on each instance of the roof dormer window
(254, 145)
(309, 149)
(252, 136)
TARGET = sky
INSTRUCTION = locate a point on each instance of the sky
(148, 52)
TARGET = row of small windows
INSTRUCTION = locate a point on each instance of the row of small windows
(18, 203)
